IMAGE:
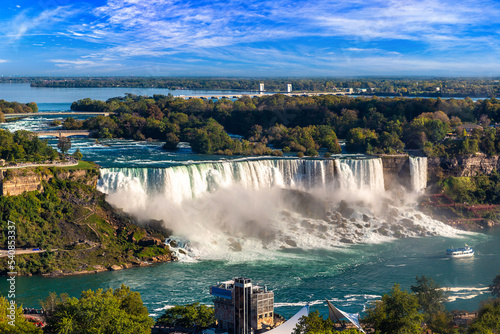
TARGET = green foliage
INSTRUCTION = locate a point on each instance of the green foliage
(396, 312)
(111, 311)
(488, 319)
(430, 297)
(16, 107)
(494, 287)
(314, 324)
(78, 155)
(64, 144)
(361, 140)
(475, 189)
(188, 316)
(20, 325)
(24, 146)
(296, 123)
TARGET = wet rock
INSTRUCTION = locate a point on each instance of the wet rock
(359, 226)
(406, 222)
(346, 241)
(235, 246)
(182, 251)
(307, 224)
(365, 218)
(419, 217)
(322, 228)
(345, 210)
(352, 220)
(383, 231)
(290, 242)
(368, 225)
(115, 267)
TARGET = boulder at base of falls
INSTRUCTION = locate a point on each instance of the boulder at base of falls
(235, 246)
(345, 210)
(290, 242)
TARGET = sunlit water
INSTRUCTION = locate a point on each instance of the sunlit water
(351, 275)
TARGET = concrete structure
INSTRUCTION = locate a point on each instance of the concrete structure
(57, 113)
(261, 87)
(243, 308)
(63, 133)
(288, 88)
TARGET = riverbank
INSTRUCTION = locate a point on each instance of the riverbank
(60, 210)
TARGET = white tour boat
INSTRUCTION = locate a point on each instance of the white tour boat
(460, 252)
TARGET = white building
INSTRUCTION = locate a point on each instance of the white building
(261, 87)
(288, 88)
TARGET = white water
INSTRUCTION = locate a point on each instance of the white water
(220, 208)
(418, 172)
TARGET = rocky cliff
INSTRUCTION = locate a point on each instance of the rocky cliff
(396, 171)
(463, 166)
(15, 182)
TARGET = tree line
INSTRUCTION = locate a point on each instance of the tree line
(408, 86)
(299, 124)
(122, 311)
(16, 108)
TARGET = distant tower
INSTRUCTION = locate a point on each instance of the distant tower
(288, 88)
(261, 87)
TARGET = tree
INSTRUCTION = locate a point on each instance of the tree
(396, 312)
(495, 287)
(171, 141)
(106, 312)
(78, 155)
(488, 319)
(313, 324)
(430, 296)
(20, 324)
(188, 316)
(64, 144)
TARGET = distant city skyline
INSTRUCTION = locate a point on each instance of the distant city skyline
(249, 38)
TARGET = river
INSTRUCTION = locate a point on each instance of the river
(351, 275)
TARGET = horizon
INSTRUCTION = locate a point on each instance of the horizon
(169, 38)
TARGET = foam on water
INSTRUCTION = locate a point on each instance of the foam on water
(236, 210)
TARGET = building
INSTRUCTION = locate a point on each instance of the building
(288, 88)
(241, 307)
(261, 87)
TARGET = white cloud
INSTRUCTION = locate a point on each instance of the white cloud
(23, 24)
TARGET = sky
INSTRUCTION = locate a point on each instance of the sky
(249, 38)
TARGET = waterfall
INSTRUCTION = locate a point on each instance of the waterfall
(191, 181)
(418, 173)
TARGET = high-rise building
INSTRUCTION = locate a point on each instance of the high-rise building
(288, 88)
(261, 87)
(242, 308)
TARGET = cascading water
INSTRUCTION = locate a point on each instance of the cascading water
(267, 204)
(418, 173)
(191, 181)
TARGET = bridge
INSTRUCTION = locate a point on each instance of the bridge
(218, 97)
(58, 113)
(64, 133)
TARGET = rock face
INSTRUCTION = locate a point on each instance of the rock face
(396, 171)
(463, 166)
(15, 182)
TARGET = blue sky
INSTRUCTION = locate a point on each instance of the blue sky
(249, 38)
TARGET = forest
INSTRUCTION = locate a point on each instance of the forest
(407, 86)
(277, 124)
